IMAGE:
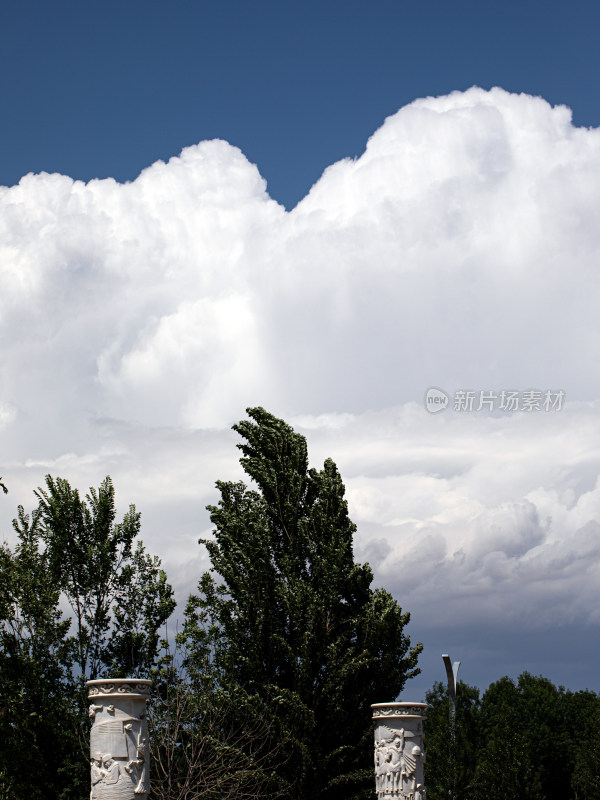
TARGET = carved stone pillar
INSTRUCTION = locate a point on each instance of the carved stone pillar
(399, 752)
(119, 753)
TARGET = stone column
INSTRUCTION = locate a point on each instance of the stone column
(119, 753)
(399, 753)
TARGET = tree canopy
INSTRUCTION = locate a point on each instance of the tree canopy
(522, 740)
(69, 551)
(293, 618)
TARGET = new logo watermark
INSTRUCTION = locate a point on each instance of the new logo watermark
(466, 400)
(436, 400)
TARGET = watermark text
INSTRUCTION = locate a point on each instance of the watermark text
(471, 400)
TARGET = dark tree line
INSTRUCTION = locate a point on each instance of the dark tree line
(523, 740)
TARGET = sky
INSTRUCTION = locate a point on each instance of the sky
(378, 221)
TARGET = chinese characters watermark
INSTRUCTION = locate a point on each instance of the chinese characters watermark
(464, 400)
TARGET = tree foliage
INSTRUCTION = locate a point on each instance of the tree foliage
(92, 559)
(583, 712)
(505, 768)
(36, 688)
(293, 619)
(451, 754)
(69, 552)
(524, 740)
(208, 743)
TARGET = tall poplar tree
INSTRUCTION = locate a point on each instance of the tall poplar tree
(293, 619)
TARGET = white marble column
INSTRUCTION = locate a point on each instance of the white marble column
(119, 752)
(399, 752)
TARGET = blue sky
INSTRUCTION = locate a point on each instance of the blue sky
(98, 89)
(412, 233)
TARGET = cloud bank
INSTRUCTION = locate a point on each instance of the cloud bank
(460, 251)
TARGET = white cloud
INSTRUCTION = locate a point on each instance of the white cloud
(459, 251)
(476, 517)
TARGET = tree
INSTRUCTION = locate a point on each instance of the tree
(207, 743)
(143, 601)
(533, 733)
(542, 709)
(586, 771)
(582, 715)
(505, 766)
(528, 739)
(292, 619)
(450, 766)
(69, 549)
(40, 757)
(119, 597)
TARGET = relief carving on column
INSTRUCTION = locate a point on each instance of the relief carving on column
(399, 751)
(119, 752)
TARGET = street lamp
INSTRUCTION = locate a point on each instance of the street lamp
(452, 675)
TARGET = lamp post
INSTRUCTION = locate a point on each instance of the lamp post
(452, 675)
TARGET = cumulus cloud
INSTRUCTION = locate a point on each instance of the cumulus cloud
(490, 519)
(459, 251)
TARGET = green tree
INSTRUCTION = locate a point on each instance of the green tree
(40, 756)
(533, 729)
(206, 742)
(451, 760)
(142, 603)
(525, 739)
(582, 722)
(542, 708)
(290, 616)
(586, 771)
(69, 549)
(505, 767)
(92, 559)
